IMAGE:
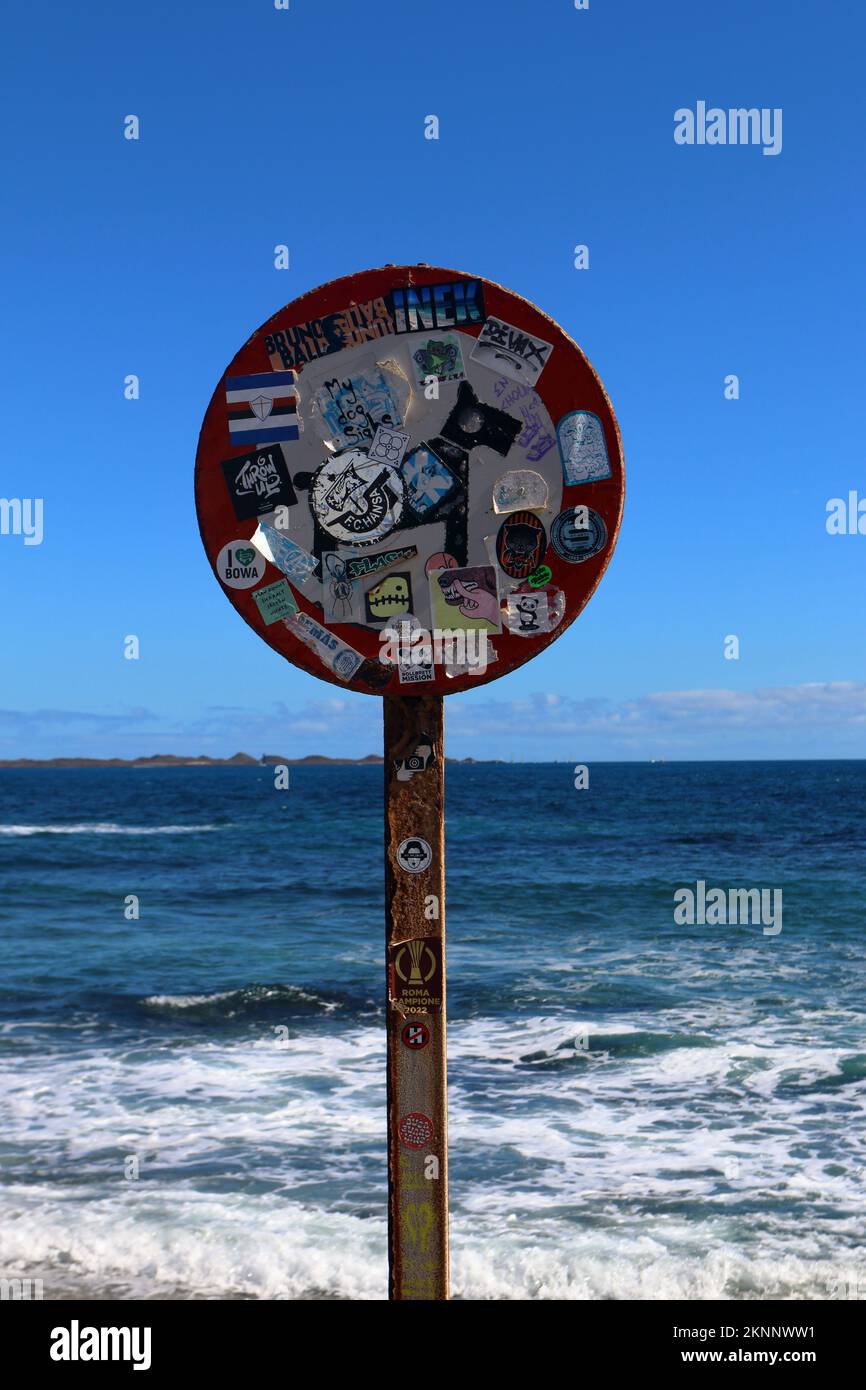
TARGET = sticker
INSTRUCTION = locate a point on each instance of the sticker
(508, 350)
(466, 598)
(262, 409)
(575, 542)
(341, 595)
(582, 447)
(414, 975)
(535, 437)
(388, 446)
(354, 407)
(294, 561)
(473, 668)
(441, 358)
(305, 342)
(258, 482)
(437, 306)
(428, 481)
(239, 565)
(473, 424)
(521, 544)
(415, 1130)
(540, 577)
(342, 659)
(415, 1035)
(414, 855)
(417, 760)
(527, 614)
(390, 598)
(354, 499)
(519, 488)
(361, 566)
(275, 601)
(417, 672)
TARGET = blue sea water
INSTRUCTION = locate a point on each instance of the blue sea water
(638, 1109)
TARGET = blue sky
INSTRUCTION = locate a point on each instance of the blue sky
(305, 127)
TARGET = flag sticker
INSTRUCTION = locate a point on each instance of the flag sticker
(262, 409)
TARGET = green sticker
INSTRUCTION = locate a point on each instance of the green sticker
(245, 557)
(541, 576)
(275, 601)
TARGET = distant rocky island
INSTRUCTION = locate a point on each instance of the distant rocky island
(178, 760)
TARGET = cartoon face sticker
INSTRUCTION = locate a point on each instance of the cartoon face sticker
(521, 544)
(527, 607)
(390, 598)
(414, 855)
(473, 591)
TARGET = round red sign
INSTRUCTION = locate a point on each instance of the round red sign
(409, 481)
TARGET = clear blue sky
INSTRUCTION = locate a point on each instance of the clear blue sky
(305, 127)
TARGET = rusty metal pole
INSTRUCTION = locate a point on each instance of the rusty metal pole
(415, 940)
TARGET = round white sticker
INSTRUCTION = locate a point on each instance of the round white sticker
(414, 855)
(239, 565)
(357, 499)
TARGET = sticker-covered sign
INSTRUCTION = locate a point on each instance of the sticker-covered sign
(432, 431)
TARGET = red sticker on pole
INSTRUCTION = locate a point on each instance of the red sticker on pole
(409, 481)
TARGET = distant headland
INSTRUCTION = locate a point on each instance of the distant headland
(178, 760)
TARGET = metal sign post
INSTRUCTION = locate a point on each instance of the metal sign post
(415, 941)
(409, 482)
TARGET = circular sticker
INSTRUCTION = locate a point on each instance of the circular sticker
(521, 544)
(540, 577)
(414, 855)
(380, 504)
(575, 542)
(239, 565)
(356, 499)
(415, 1035)
(415, 1130)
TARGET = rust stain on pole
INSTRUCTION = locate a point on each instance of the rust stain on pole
(415, 942)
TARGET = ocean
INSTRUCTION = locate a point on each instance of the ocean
(193, 1102)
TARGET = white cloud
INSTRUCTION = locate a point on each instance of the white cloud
(818, 719)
